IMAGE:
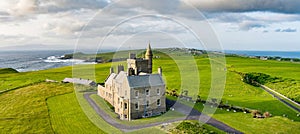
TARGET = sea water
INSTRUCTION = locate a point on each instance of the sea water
(282, 54)
(24, 61)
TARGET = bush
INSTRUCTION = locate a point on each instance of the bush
(187, 127)
(256, 114)
(267, 115)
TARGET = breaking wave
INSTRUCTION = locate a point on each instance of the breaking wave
(55, 59)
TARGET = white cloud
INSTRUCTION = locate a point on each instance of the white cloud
(24, 7)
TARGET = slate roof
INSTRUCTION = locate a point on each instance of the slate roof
(149, 80)
(135, 81)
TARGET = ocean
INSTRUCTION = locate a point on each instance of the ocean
(282, 54)
(24, 61)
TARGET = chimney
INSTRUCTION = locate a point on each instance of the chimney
(120, 68)
(132, 56)
(159, 70)
(111, 70)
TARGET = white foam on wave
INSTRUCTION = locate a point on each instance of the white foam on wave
(54, 59)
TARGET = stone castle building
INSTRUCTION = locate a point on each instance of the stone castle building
(136, 92)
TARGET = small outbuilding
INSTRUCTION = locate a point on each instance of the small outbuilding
(80, 81)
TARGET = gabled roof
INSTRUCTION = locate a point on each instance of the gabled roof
(149, 80)
(110, 78)
(120, 77)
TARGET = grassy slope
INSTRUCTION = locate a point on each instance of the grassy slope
(25, 110)
(16, 80)
(236, 92)
(7, 70)
(91, 113)
(273, 68)
(67, 116)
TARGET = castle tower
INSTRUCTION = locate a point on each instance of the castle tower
(149, 56)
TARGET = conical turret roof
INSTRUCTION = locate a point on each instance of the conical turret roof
(149, 51)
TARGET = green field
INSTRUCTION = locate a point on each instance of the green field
(67, 116)
(24, 103)
(25, 110)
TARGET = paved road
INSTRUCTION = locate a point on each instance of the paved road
(279, 98)
(192, 114)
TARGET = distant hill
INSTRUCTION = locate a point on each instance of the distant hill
(7, 70)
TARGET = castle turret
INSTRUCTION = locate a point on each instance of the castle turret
(149, 56)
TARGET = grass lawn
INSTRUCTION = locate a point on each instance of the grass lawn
(67, 116)
(247, 124)
(25, 110)
(91, 114)
(9, 81)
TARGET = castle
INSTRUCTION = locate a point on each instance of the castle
(136, 92)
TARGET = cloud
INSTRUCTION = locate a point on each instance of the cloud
(24, 7)
(19, 38)
(287, 30)
(30, 7)
(280, 6)
(66, 26)
(53, 6)
(248, 25)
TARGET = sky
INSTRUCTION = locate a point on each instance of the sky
(132, 24)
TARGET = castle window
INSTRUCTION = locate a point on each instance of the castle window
(136, 106)
(125, 105)
(118, 100)
(136, 94)
(157, 91)
(147, 103)
(147, 92)
(125, 92)
(121, 105)
(158, 102)
(125, 116)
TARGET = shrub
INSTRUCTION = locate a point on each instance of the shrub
(267, 115)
